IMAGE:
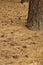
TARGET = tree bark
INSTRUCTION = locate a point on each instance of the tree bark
(35, 15)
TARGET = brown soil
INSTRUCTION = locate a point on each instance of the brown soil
(18, 44)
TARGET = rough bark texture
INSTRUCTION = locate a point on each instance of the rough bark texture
(35, 15)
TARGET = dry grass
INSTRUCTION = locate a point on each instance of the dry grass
(18, 45)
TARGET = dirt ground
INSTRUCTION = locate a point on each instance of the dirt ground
(18, 44)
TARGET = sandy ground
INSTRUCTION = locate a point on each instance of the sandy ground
(18, 44)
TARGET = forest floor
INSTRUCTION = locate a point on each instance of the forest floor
(18, 44)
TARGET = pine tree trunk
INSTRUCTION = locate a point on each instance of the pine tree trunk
(35, 15)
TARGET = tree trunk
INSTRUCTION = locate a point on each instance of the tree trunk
(35, 15)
